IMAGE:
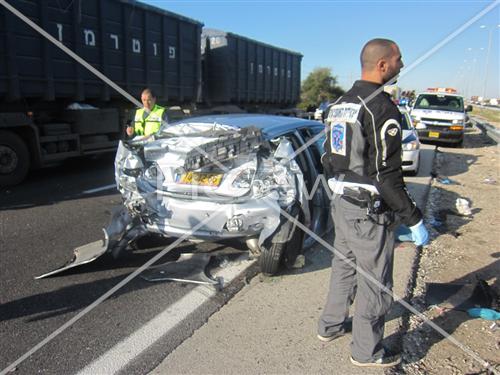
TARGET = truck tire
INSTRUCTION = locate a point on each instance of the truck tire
(14, 159)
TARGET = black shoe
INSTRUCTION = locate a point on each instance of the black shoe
(346, 328)
(388, 360)
(331, 337)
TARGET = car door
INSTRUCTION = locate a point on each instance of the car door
(313, 137)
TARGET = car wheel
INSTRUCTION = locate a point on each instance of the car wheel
(14, 159)
(270, 258)
(273, 254)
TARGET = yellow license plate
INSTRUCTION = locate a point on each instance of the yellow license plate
(201, 179)
(433, 135)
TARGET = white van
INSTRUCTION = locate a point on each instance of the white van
(439, 115)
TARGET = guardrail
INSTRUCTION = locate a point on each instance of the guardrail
(490, 130)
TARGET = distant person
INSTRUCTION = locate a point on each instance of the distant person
(362, 161)
(148, 119)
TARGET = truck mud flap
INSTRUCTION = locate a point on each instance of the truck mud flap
(82, 255)
(189, 268)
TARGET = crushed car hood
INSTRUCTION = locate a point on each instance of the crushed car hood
(207, 163)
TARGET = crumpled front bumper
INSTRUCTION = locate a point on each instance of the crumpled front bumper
(207, 215)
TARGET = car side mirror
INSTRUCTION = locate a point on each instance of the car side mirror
(468, 109)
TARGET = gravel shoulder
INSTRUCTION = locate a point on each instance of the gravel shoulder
(462, 249)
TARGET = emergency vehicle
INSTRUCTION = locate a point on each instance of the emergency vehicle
(439, 115)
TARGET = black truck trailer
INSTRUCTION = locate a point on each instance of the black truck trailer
(52, 108)
(247, 72)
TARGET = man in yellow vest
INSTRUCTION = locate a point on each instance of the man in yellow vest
(148, 119)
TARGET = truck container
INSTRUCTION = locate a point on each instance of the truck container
(52, 108)
(133, 44)
(243, 71)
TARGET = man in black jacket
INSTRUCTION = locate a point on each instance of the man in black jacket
(362, 161)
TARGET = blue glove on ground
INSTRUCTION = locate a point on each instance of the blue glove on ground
(420, 234)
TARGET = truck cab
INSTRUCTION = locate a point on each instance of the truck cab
(439, 115)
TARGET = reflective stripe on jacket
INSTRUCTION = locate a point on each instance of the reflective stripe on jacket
(149, 125)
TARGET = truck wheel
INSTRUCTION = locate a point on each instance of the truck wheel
(14, 159)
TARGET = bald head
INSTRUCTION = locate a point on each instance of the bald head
(148, 99)
(375, 50)
(380, 61)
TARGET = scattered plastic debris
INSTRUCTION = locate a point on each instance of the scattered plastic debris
(439, 309)
(484, 313)
(189, 268)
(463, 207)
(446, 181)
(490, 181)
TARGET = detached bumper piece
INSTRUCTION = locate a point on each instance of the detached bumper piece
(117, 235)
(82, 255)
(189, 268)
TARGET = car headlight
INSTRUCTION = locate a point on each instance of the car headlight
(275, 178)
(154, 175)
(244, 179)
(458, 122)
(136, 172)
(410, 146)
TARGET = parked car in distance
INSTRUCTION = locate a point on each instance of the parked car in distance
(319, 114)
(410, 144)
(222, 177)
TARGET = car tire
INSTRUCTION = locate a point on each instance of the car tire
(14, 159)
(270, 258)
(273, 255)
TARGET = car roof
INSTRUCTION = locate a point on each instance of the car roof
(271, 125)
(439, 93)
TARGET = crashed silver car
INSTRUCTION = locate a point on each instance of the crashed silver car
(253, 178)
(227, 176)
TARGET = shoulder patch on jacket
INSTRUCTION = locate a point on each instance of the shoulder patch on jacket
(392, 132)
(344, 112)
(338, 138)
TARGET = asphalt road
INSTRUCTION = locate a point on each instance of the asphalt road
(41, 221)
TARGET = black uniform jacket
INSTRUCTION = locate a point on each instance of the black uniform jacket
(363, 145)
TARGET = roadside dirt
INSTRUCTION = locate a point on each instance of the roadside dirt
(491, 116)
(462, 249)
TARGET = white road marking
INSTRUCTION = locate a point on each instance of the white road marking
(107, 187)
(118, 357)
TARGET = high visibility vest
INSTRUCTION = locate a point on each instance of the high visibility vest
(149, 125)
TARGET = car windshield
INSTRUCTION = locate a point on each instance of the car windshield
(442, 102)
